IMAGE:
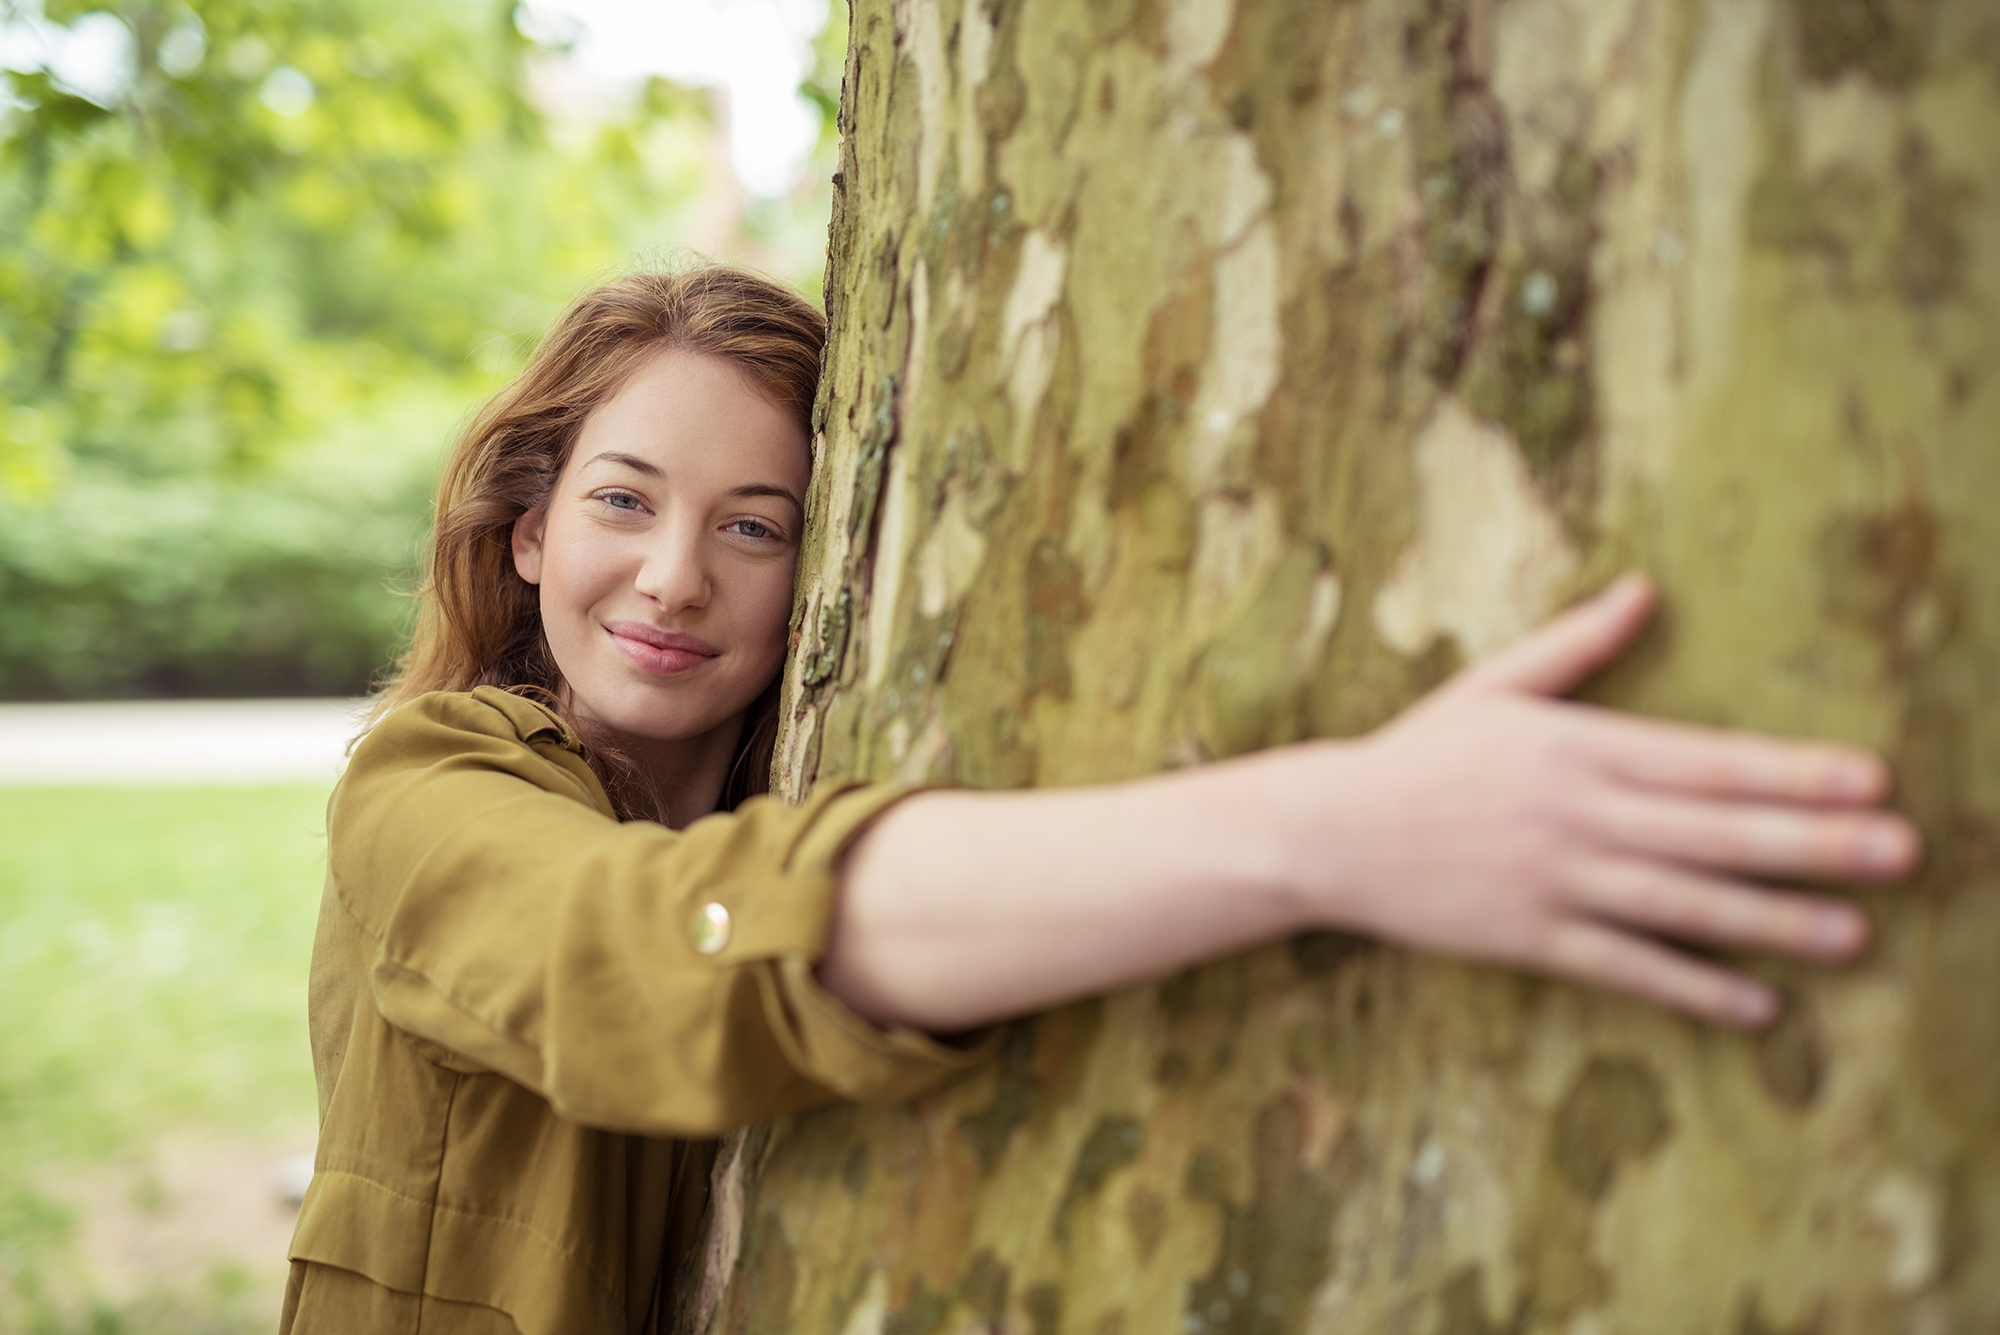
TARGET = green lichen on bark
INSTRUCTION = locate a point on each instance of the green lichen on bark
(1208, 374)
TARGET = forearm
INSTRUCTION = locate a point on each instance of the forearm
(958, 909)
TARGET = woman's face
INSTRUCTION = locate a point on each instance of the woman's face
(665, 553)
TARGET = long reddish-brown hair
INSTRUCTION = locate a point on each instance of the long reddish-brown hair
(478, 622)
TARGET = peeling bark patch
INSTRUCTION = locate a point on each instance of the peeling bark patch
(1178, 336)
(1246, 190)
(1881, 577)
(1490, 554)
(761, 1299)
(949, 559)
(1956, 1045)
(1043, 1305)
(1754, 1322)
(1907, 1208)
(1244, 350)
(1789, 1057)
(1462, 1307)
(887, 579)
(870, 1308)
(725, 1230)
(1274, 1251)
(1146, 1216)
(1203, 1010)
(1001, 100)
(1318, 954)
(1614, 1112)
(1112, 1143)
(1055, 609)
(923, 1314)
(1459, 241)
(1028, 334)
(922, 43)
(1930, 261)
(822, 661)
(1270, 68)
(873, 462)
(1889, 40)
(993, 1126)
(1195, 32)
(854, 1168)
(1323, 1118)
(1463, 190)
(1038, 284)
(1539, 381)
(1238, 541)
(1246, 696)
(984, 1288)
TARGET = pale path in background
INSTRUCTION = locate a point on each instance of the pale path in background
(175, 741)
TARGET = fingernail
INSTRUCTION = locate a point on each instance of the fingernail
(1884, 849)
(1853, 781)
(1834, 933)
(1753, 1006)
(1624, 587)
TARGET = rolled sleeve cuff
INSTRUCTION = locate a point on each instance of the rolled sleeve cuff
(823, 1039)
(786, 910)
(849, 1056)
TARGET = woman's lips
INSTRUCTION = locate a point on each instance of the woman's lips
(664, 653)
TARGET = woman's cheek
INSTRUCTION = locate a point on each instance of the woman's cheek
(580, 561)
(774, 615)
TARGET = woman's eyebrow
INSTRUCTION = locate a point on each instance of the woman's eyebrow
(766, 489)
(635, 464)
(652, 470)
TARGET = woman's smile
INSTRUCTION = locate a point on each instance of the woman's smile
(664, 653)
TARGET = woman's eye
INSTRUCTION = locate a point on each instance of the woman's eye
(621, 500)
(751, 528)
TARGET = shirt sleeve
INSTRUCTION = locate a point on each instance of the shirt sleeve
(518, 928)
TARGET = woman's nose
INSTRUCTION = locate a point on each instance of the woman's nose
(674, 573)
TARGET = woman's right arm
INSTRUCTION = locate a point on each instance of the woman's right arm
(482, 900)
(1493, 820)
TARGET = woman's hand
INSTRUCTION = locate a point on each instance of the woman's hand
(1504, 824)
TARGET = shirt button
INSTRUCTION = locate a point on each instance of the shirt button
(711, 929)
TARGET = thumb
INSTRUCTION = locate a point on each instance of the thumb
(1558, 656)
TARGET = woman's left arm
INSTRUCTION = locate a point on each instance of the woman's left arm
(1493, 821)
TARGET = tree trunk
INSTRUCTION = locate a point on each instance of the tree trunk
(1207, 376)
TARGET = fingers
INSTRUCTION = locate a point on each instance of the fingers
(1592, 953)
(1674, 901)
(1702, 760)
(1576, 643)
(1761, 840)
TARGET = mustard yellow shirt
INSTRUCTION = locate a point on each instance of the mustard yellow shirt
(520, 1046)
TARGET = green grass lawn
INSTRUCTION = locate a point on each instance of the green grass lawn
(153, 954)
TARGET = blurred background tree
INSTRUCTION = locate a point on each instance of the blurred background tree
(256, 258)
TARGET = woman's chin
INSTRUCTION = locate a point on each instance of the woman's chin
(644, 722)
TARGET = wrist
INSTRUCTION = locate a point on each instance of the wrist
(1270, 831)
(1318, 823)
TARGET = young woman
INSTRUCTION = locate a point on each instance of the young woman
(546, 970)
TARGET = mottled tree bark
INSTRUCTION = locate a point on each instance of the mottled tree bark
(1208, 375)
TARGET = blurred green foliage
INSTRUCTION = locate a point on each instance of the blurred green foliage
(243, 299)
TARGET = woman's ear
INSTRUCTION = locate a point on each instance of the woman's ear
(527, 541)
